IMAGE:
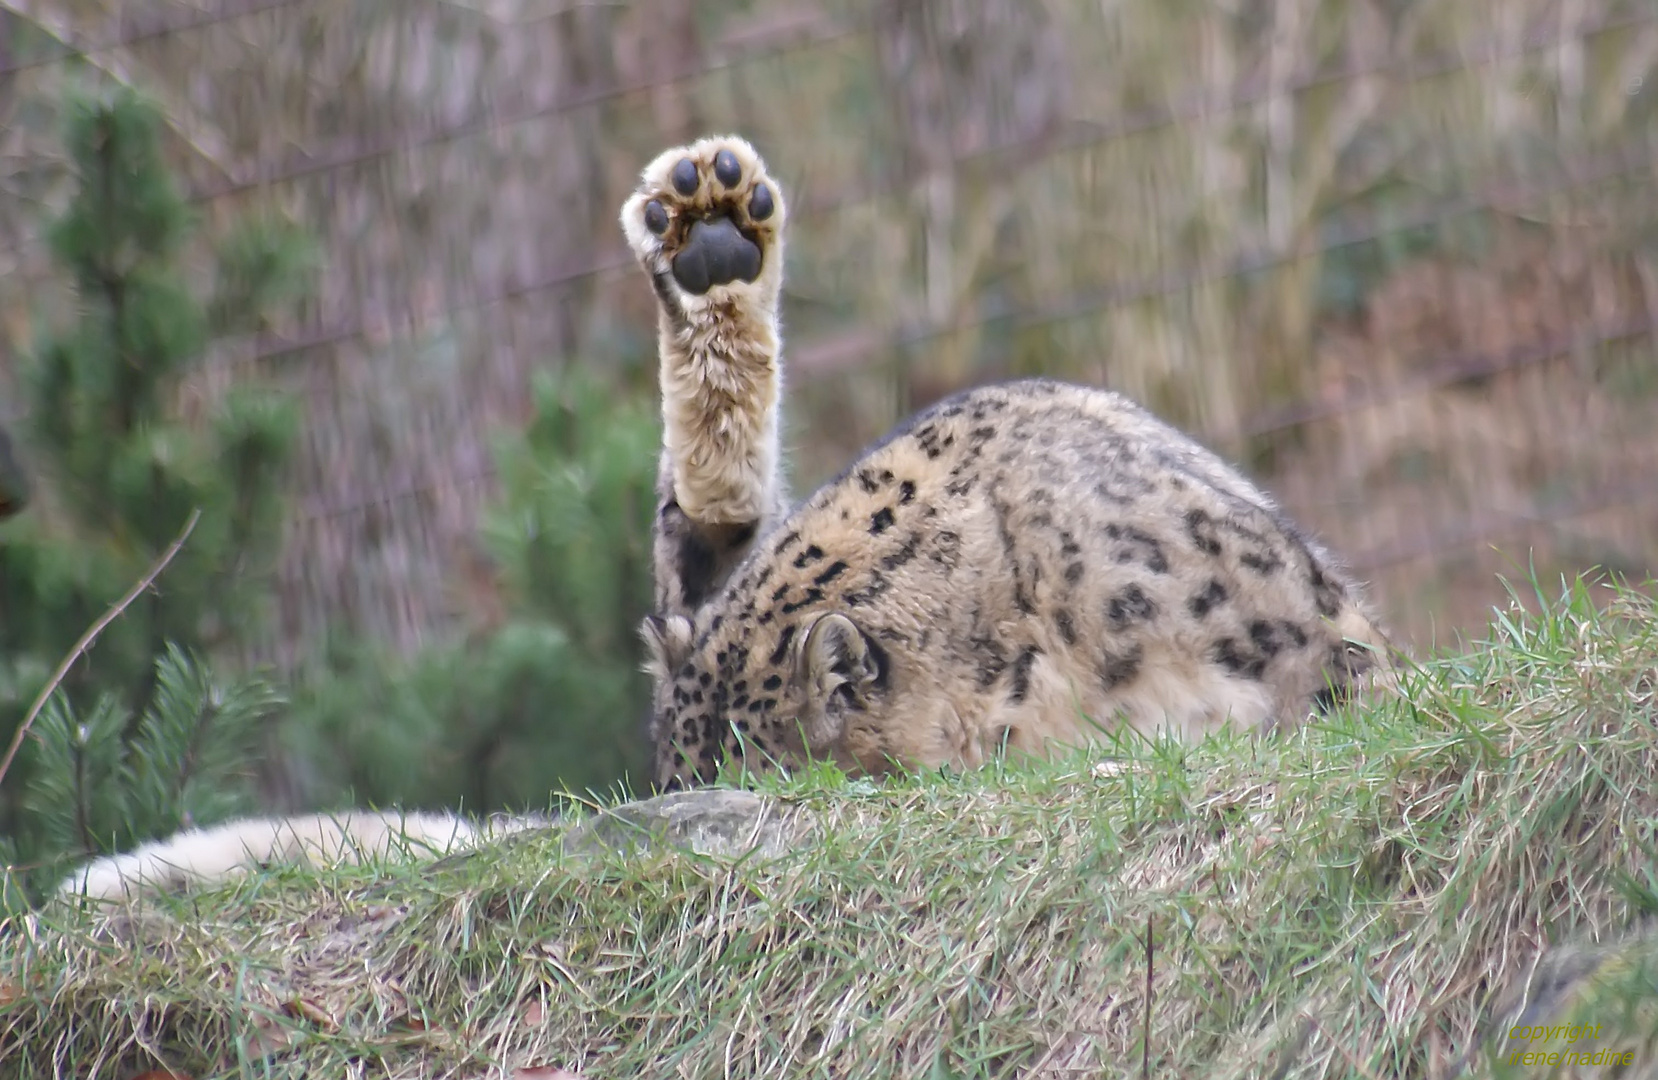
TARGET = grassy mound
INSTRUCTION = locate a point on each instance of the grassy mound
(1342, 902)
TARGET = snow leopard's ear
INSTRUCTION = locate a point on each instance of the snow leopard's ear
(667, 642)
(840, 666)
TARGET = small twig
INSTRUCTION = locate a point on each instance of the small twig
(1145, 1042)
(90, 636)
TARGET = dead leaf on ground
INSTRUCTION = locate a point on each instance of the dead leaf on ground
(307, 1010)
(269, 1036)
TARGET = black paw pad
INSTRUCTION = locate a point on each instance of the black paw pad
(726, 169)
(656, 218)
(761, 204)
(684, 177)
(715, 253)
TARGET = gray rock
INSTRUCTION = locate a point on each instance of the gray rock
(728, 824)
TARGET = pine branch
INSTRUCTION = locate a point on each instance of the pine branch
(192, 755)
(91, 636)
(83, 810)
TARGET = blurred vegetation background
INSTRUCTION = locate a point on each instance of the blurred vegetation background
(1399, 258)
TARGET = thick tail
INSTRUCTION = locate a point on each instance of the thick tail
(196, 858)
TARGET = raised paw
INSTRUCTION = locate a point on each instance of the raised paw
(707, 226)
(706, 217)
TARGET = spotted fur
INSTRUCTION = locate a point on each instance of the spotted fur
(1019, 567)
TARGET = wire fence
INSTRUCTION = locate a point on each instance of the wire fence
(1415, 452)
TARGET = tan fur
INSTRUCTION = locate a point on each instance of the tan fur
(1019, 567)
(720, 374)
(194, 858)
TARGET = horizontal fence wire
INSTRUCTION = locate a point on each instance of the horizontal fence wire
(853, 348)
